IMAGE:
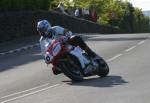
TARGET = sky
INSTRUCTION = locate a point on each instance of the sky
(143, 4)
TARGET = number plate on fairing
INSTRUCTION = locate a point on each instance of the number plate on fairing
(56, 49)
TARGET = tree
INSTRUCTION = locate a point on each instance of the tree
(141, 22)
(118, 13)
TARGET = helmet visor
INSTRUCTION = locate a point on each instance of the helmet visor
(42, 31)
(49, 33)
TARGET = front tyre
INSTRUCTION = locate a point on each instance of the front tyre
(71, 67)
(103, 69)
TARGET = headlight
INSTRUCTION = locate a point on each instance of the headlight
(48, 58)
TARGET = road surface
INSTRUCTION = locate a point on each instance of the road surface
(24, 77)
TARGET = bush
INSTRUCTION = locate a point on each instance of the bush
(15, 5)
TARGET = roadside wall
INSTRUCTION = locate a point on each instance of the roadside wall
(23, 23)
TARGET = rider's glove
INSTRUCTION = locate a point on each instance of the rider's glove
(63, 39)
(66, 37)
(68, 34)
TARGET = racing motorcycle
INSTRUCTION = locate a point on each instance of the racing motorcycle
(73, 61)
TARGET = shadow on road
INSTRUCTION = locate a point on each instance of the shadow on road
(109, 81)
(11, 61)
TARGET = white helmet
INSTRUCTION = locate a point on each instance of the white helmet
(43, 27)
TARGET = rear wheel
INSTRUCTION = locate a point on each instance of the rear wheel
(103, 68)
(71, 67)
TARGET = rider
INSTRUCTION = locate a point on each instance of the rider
(47, 33)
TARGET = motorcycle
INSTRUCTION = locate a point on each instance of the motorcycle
(73, 61)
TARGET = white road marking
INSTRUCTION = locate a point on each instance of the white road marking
(127, 50)
(24, 48)
(115, 57)
(141, 42)
(2, 53)
(24, 91)
(19, 49)
(11, 51)
(12, 99)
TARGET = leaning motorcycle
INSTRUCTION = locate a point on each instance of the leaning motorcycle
(73, 61)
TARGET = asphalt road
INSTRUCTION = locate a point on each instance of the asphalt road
(24, 77)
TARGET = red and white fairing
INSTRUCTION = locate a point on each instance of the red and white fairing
(56, 50)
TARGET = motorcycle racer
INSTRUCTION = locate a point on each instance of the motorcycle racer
(48, 33)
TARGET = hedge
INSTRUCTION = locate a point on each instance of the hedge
(17, 5)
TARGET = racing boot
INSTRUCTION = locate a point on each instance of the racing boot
(56, 70)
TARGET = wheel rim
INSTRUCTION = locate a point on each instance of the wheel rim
(74, 69)
(72, 66)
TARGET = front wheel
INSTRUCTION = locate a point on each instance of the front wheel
(103, 69)
(71, 67)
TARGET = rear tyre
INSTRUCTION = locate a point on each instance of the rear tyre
(103, 69)
(71, 67)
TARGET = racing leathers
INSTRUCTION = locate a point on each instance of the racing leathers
(56, 32)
